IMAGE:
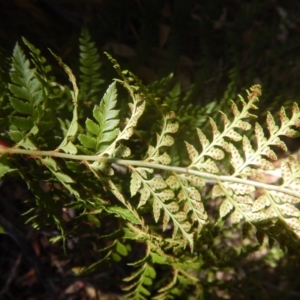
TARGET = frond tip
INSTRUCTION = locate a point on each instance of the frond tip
(90, 82)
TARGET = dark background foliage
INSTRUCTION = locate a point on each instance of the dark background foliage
(217, 47)
(208, 44)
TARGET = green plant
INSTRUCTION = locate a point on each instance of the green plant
(141, 201)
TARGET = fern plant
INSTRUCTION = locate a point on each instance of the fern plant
(134, 206)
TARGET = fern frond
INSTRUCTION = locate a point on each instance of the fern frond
(132, 214)
(101, 134)
(164, 292)
(188, 195)
(173, 97)
(156, 190)
(40, 62)
(6, 108)
(90, 83)
(27, 100)
(163, 140)
(159, 87)
(214, 150)
(239, 203)
(142, 277)
(66, 145)
(4, 167)
(147, 203)
(65, 179)
(271, 205)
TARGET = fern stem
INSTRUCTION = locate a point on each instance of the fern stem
(213, 178)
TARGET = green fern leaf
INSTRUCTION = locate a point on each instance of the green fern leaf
(123, 213)
(172, 99)
(4, 170)
(141, 278)
(66, 145)
(40, 63)
(90, 77)
(106, 130)
(26, 96)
